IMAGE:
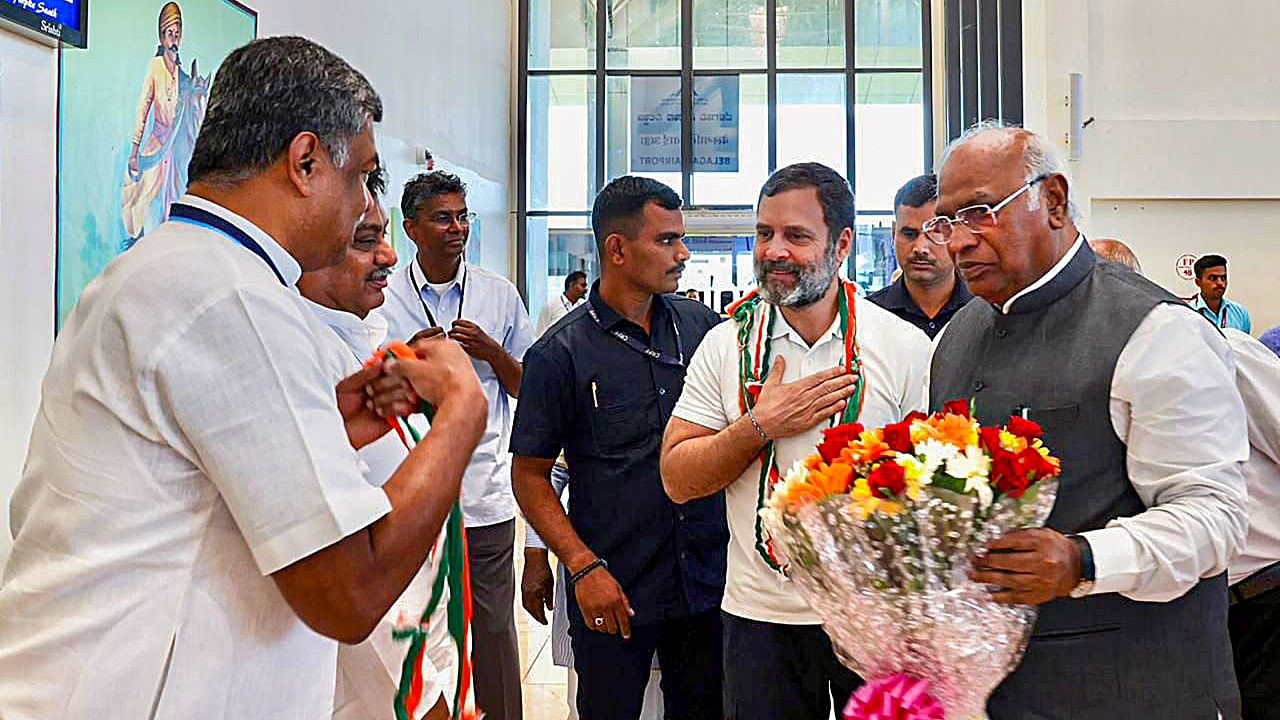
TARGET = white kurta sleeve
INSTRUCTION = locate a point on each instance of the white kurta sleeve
(264, 425)
(1175, 405)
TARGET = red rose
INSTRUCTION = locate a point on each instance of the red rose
(1032, 465)
(888, 480)
(836, 439)
(898, 436)
(990, 439)
(1024, 428)
(913, 416)
(957, 407)
(1005, 474)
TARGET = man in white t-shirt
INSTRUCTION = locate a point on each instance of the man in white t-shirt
(778, 662)
(575, 293)
(193, 530)
(342, 297)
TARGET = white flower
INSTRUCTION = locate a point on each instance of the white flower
(972, 463)
(974, 467)
(797, 474)
(982, 487)
(934, 455)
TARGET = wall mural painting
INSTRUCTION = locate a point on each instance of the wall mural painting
(129, 110)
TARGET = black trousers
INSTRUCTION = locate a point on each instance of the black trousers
(613, 673)
(782, 672)
(1255, 643)
(495, 648)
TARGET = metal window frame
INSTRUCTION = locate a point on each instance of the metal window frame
(601, 73)
(984, 63)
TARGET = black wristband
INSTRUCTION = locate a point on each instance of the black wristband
(1087, 571)
(597, 563)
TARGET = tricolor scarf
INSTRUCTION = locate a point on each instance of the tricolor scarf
(455, 573)
(755, 320)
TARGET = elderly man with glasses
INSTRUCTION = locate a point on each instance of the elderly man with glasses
(440, 293)
(1136, 395)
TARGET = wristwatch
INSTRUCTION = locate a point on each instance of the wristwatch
(1087, 576)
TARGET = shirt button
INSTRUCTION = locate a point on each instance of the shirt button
(978, 385)
(681, 516)
(662, 391)
(1002, 333)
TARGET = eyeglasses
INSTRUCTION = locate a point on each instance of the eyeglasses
(444, 220)
(978, 218)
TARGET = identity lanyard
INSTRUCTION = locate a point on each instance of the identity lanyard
(203, 218)
(663, 358)
(1221, 315)
(431, 318)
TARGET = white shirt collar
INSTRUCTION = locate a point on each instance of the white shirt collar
(284, 262)
(420, 276)
(783, 328)
(362, 336)
(1047, 277)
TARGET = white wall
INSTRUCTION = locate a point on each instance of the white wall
(1182, 152)
(442, 67)
(28, 91)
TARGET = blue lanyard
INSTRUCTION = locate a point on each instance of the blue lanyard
(203, 218)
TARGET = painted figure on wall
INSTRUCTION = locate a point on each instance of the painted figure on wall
(170, 110)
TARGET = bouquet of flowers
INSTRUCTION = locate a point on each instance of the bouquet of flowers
(877, 530)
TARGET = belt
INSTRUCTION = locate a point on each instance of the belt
(1263, 581)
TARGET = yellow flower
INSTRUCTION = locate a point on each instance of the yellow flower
(1012, 443)
(916, 472)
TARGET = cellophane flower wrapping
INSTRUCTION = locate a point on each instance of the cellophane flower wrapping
(888, 572)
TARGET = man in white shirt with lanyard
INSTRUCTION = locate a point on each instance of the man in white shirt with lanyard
(575, 293)
(193, 529)
(814, 353)
(440, 293)
(342, 297)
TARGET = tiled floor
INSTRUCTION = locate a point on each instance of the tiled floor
(545, 693)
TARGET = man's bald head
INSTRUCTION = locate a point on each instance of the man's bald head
(1116, 252)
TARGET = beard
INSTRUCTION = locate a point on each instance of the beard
(812, 281)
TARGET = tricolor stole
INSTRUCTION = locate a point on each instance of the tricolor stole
(755, 322)
(455, 573)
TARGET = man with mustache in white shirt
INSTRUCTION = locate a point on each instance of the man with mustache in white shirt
(343, 298)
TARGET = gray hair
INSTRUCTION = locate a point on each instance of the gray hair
(269, 91)
(1040, 157)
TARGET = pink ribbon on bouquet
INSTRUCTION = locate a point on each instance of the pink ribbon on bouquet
(897, 697)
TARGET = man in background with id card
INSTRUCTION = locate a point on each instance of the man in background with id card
(646, 575)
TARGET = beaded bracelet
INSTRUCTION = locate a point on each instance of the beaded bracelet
(751, 416)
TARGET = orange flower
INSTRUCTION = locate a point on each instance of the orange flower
(832, 479)
(950, 429)
(869, 447)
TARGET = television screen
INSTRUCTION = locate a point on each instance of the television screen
(64, 20)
